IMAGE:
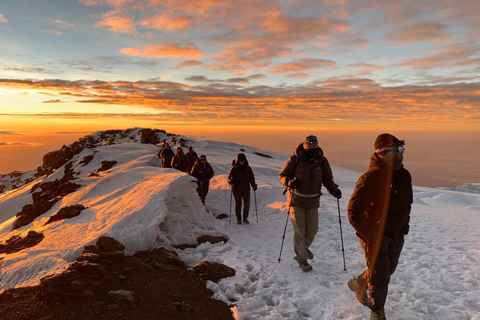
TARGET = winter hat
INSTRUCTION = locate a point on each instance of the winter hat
(310, 142)
(385, 140)
(203, 157)
(241, 157)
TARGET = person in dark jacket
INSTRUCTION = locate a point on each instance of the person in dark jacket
(180, 161)
(203, 171)
(379, 211)
(166, 155)
(192, 158)
(241, 178)
(303, 174)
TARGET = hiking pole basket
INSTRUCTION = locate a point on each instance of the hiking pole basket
(341, 235)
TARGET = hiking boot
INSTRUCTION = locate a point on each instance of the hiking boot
(377, 314)
(246, 221)
(360, 292)
(239, 221)
(310, 254)
(305, 266)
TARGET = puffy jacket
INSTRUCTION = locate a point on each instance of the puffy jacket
(180, 162)
(381, 202)
(241, 176)
(202, 172)
(310, 174)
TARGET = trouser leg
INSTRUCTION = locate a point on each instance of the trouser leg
(238, 204)
(311, 226)
(378, 276)
(297, 216)
(246, 203)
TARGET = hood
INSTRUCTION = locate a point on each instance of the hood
(300, 153)
(241, 157)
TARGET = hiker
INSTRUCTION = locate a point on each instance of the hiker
(166, 155)
(192, 158)
(379, 211)
(180, 160)
(241, 178)
(303, 174)
(203, 171)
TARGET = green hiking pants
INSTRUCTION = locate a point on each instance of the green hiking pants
(305, 227)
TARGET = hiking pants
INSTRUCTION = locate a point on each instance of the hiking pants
(240, 195)
(202, 190)
(377, 277)
(305, 227)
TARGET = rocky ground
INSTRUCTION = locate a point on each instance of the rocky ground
(104, 284)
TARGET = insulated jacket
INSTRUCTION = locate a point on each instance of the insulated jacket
(180, 162)
(381, 202)
(202, 172)
(192, 158)
(241, 177)
(311, 175)
(166, 155)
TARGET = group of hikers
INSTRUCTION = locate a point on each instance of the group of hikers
(190, 163)
(378, 210)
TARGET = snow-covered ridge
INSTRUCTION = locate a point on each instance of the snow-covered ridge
(467, 187)
(143, 205)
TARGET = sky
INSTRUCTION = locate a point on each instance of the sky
(88, 65)
(437, 276)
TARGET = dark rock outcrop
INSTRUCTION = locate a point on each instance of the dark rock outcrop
(211, 239)
(17, 243)
(213, 271)
(66, 213)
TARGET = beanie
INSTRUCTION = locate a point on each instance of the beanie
(384, 140)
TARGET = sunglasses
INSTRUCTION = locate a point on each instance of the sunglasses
(311, 139)
(398, 148)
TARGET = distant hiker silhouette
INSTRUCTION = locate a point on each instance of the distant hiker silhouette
(241, 178)
(203, 171)
(180, 161)
(166, 155)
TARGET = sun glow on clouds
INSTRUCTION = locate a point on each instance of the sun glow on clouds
(164, 50)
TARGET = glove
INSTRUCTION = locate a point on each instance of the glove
(254, 187)
(292, 184)
(337, 193)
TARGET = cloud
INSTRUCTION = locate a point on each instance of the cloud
(3, 19)
(451, 56)
(298, 68)
(9, 133)
(367, 66)
(53, 101)
(349, 98)
(167, 22)
(424, 31)
(62, 24)
(189, 63)
(26, 69)
(165, 50)
(20, 144)
(117, 22)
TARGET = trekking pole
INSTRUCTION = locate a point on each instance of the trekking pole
(231, 193)
(285, 229)
(255, 196)
(341, 235)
